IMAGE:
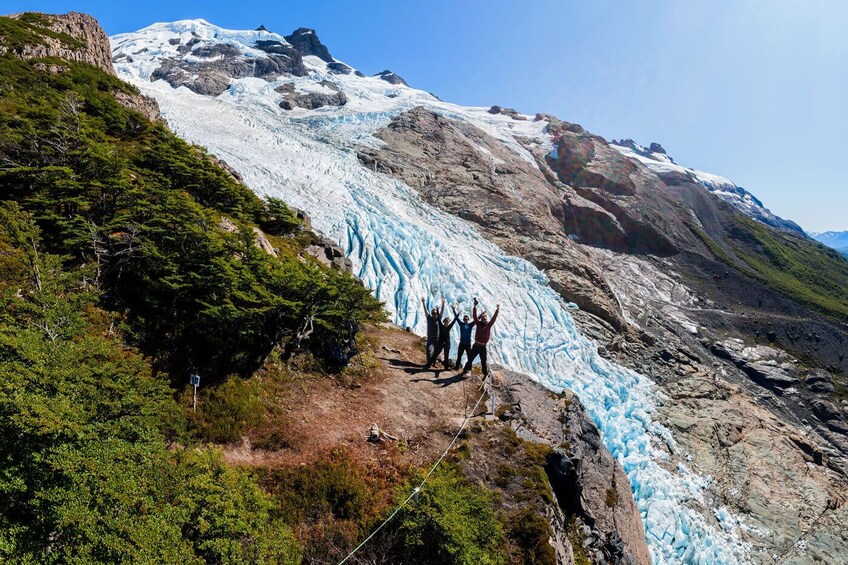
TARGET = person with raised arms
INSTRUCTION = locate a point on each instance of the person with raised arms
(432, 330)
(482, 334)
(444, 344)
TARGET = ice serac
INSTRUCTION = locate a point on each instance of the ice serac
(402, 220)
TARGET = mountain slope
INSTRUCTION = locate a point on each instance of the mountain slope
(658, 161)
(432, 198)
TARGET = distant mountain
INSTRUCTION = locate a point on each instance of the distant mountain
(658, 161)
(836, 239)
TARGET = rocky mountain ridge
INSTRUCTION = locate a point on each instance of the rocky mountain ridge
(656, 158)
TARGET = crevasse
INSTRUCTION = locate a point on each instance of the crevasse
(403, 249)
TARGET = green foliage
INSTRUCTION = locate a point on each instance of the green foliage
(450, 521)
(229, 410)
(809, 273)
(530, 532)
(329, 503)
(334, 486)
(278, 219)
(576, 539)
(86, 474)
(169, 233)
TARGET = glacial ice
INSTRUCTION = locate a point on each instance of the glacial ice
(403, 248)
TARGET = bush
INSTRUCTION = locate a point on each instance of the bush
(531, 532)
(450, 521)
(229, 411)
(86, 474)
(278, 219)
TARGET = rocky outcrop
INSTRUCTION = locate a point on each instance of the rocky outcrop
(76, 37)
(330, 254)
(144, 105)
(514, 114)
(390, 77)
(311, 100)
(307, 43)
(214, 65)
(340, 69)
(588, 482)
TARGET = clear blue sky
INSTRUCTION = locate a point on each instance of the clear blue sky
(756, 90)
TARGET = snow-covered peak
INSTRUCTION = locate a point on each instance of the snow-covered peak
(656, 159)
(293, 76)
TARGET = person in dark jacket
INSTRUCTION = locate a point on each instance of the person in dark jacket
(481, 339)
(444, 343)
(432, 330)
(466, 327)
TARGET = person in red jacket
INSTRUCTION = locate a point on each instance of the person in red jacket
(481, 338)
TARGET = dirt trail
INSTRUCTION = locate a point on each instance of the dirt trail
(423, 407)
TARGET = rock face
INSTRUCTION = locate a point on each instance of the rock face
(307, 43)
(330, 254)
(311, 100)
(514, 114)
(390, 77)
(79, 38)
(210, 67)
(91, 45)
(144, 105)
(588, 482)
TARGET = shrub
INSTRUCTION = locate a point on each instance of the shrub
(531, 532)
(450, 521)
(229, 411)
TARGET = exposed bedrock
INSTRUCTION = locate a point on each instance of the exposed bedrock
(391, 77)
(587, 481)
(93, 47)
(212, 66)
(306, 41)
(311, 100)
(757, 420)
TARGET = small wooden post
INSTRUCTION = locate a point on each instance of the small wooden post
(194, 380)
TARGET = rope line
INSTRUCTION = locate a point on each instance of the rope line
(417, 489)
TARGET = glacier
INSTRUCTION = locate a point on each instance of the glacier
(403, 248)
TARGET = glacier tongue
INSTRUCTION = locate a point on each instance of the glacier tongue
(404, 248)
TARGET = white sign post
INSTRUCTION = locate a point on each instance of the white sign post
(194, 380)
